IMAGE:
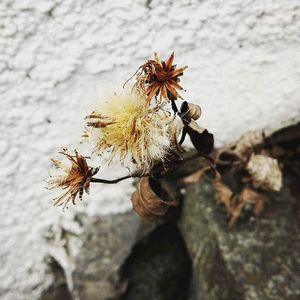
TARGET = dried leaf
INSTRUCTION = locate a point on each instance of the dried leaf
(247, 196)
(194, 177)
(252, 197)
(202, 140)
(224, 194)
(265, 172)
(234, 214)
(189, 111)
(146, 202)
(199, 174)
(248, 142)
(278, 152)
(175, 129)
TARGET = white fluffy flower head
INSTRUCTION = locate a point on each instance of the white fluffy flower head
(127, 128)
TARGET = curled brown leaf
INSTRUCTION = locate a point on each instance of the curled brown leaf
(201, 139)
(248, 142)
(189, 111)
(265, 172)
(147, 203)
(224, 194)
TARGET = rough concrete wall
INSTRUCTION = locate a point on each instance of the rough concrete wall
(244, 70)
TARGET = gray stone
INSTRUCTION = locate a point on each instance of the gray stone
(106, 242)
(89, 253)
(258, 259)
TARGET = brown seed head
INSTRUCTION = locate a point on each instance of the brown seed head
(160, 78)
(75, 180)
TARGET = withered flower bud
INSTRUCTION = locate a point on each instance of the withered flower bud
(160, 78)
(75, 178)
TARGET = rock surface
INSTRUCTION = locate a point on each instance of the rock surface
(117, 257)
(92, 255)
(106, 242)
(58, 290)
(258, 259)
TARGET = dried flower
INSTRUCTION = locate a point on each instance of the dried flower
(128, 129)
(265, 172)
(160, 78)
(76, 178)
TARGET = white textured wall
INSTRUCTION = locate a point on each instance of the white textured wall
(244, 70)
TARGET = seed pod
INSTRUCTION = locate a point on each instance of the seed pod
(189, 111)
(147, 204)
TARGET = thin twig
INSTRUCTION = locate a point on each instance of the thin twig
(112, 181)
(174, 107)
(138, 175)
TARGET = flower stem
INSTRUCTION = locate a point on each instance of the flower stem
(139, 175)
(113, 181)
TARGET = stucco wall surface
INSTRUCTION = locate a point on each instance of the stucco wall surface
(244, 71)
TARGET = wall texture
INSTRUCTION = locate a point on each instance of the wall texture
(244, 70)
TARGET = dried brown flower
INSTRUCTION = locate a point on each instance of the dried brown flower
(75, 180)
(265, 172)
(160, 78)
